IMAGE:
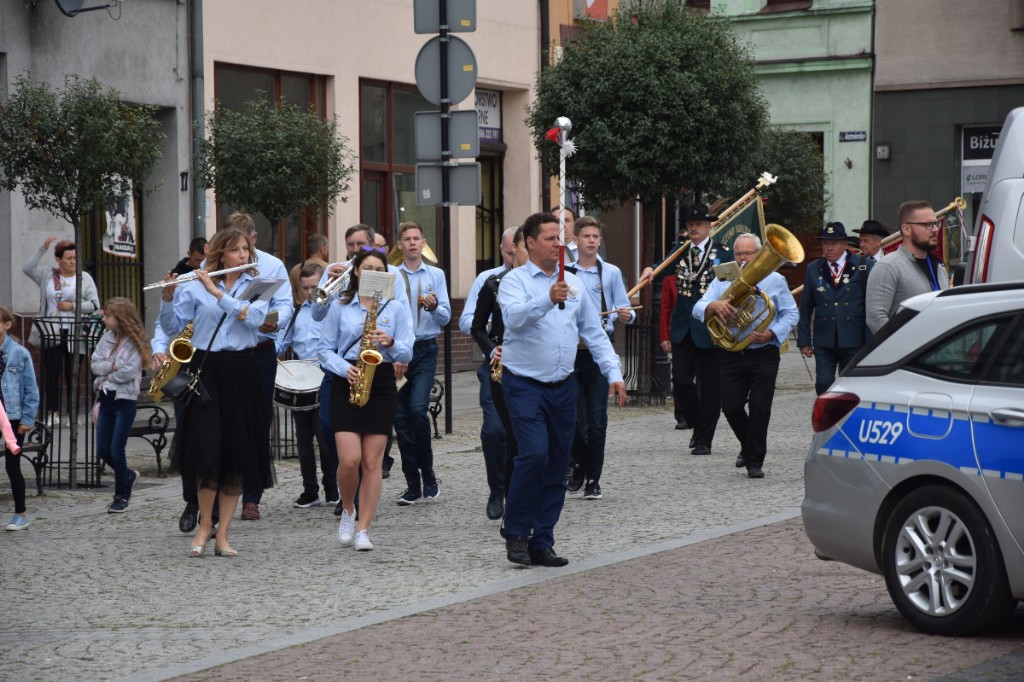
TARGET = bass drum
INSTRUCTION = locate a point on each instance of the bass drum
(297, 385)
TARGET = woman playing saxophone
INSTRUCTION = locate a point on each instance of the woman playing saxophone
(361, 432)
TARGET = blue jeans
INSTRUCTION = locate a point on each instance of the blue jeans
(112, 429)
(591, 417)
(411, 421)
(266, 365)
(492, 433)
(542, 418)
(827, 363)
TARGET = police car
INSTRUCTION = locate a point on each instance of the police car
(916, 469)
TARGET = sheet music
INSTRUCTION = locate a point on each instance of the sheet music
(372, 282)
(261, 287)
(727, 272)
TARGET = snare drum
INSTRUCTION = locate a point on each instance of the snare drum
(297, 385)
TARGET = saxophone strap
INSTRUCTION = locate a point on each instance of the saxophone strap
(359, 339)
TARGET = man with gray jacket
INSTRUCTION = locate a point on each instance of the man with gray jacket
(910, 270)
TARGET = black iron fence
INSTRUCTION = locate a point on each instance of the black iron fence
(61, 345)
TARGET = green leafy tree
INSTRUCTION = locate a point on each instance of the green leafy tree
(67, 152)
(798, 200)
(275, 159)
(661, 98)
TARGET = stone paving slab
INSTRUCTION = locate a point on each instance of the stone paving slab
(752, 605)
(98, 596)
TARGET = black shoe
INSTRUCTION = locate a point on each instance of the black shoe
(517, 551)
(754, 472)
(701, 450)
(741, 461)
(189, 518)
(547, 557)
(575, 478)
(385, 466)
(495, 506)
(385, 473)
(683, 425)
(338, 508)
(693, 441)
(592, 491)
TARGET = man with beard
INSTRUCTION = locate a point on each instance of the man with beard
(910, 270)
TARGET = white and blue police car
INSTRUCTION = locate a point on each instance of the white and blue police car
(916, 468)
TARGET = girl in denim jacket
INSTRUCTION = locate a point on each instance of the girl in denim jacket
(117, 363)
(20, 398)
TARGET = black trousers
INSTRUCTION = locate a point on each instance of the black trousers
(695, 387)
(748, 388)
(510, 437)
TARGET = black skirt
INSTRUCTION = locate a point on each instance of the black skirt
(377, 416)
(226, 440)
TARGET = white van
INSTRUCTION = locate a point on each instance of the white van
(997, 248)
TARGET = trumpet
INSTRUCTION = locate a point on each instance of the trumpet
(322, 295)
(193, 276)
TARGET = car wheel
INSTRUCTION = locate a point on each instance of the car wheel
(942, 564)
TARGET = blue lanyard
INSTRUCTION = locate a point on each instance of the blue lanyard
(933, 279)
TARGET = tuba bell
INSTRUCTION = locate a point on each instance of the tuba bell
(754, 308)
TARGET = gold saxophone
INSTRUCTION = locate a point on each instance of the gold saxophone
(496, 372)
(369, 358)
(179, 352)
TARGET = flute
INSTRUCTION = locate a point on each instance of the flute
(613, 312)
(192, 276)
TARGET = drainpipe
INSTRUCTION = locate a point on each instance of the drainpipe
(195, 31)
(545, 61)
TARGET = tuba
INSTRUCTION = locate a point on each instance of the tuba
(179, 352)
(369, 358)
(754, 309)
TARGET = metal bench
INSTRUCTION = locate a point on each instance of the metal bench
(37, 443)
(436, 393)
(152, 422)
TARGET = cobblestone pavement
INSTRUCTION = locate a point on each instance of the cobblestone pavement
(97, 596)
(753, 605)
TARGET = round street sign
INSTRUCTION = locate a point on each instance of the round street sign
(461, 70)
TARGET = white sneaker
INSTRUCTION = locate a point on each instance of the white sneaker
(347, 528)
(19, 522)
(363, 543)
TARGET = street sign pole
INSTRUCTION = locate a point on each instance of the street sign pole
(446, 239)
(441, 88)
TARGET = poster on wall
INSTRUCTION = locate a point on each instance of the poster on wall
(120, 237)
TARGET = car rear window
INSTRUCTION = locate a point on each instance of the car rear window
(962, 355)
(902, 316)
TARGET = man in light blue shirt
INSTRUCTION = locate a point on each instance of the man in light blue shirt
(301, 335)
(545, 319)
(492, 433)
(427, 295)
(604, 285)
(748, 375)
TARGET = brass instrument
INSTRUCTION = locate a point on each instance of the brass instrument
(396, 257)
(369, 358)
(322, 295)
(754, 309)
(192, 276)
(740, 204)
(179, 352)
(957, 203)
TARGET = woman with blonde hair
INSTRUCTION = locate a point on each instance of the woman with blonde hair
(117, 362)
(223, 437)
